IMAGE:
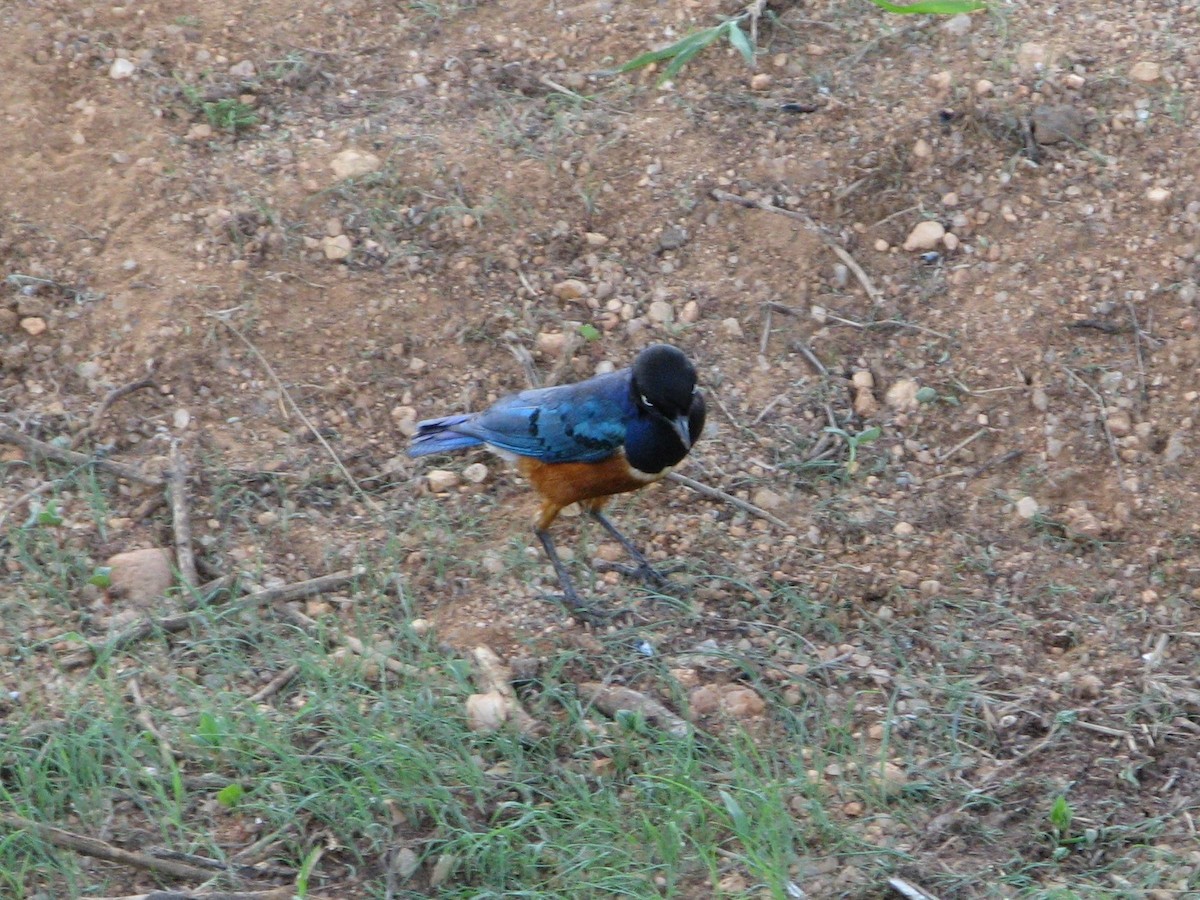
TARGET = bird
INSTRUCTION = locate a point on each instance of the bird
(586, 442)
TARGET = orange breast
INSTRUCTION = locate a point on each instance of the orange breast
(561, 484)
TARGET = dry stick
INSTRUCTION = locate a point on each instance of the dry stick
(1137, 345)
(716, 494)
(811, 358)
(181, 521)
(946, 454)
(98, 849)
(348, 641)
(613, 700)
(909, 891)
(755, 11)
(492, 675)
(766, 332)
(807, 220)
(109, 399)
(142, 716)
(10, 435)
(275, 685)
(1112, 442)
(241, 870)
(171, 624)
(284, 393)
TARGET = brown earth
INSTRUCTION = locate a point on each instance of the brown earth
(1052, 334)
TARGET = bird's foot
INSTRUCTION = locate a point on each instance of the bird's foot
(582, 609)
(643, 571)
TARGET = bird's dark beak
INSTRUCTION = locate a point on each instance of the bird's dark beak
(683, 429)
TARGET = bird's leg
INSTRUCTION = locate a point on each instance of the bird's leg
(642, 568)
(570, 595)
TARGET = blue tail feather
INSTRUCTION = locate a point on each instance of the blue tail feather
(436, 436)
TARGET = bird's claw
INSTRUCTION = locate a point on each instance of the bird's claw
(643, 572)
(586, 611)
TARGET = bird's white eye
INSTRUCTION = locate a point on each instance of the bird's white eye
(646, 401)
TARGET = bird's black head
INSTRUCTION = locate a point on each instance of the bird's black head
(664, 384)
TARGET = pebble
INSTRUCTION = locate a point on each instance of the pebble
(1145, 71)
(33, 325)
(1158, 196)
(595, 239)
(244, 70)
(661, 312)
(902, 395)
(983, 87)
(672, 238)
(487, 712)
(352, 163)
(950, 240)
(903, 529)
(1027, 507)
(691, 313)
(551, 343)
(121, 68)
(476, 473)
(925, 236)
(1058, 123)
(1031, 58)
(570, 289)
(767, 499)
(336, 248)
(731, 327)
(760, 82)
(141, 576)
(441, 480)
(957, 26)
(420, 627)
(742, 703)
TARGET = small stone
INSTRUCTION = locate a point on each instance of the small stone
(1120, 423)
(441, 480)
(551, 343)
(1175, 448)
(882, 246)
(704, 700)
(1144, 71)
(1027, 507)
(1158, 196)
(930, 587)
(661, 312)
(1074, 81)
(731, 327)
(405, 863)
(1039, 399)
(742, 703)
(863, 379)
(760, 82)
(141, 576)
(121, 68)
(902, 395)
(1031, 58)
(767, 499)
(925, 236)
(1058, 123)
(352, 163)
(201, 131)
(595, 239)
(957, 26)
(691, 313)
(420, 627)
(921, 149)
(903, 529)
(983, 87)
(940, 81)
(571, 289)
(950, 241)
(488, 712)
(243, 70)
(476, 473)
(336, 248)
(672, 238)
(33, 325)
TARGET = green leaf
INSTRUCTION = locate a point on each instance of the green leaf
(589, 332)
(741, 41)
(700, 38)
(101, 576)
(737, 815)
(48, 515)
(926, 395)
(210, 731)
(932, 7)
(230, 795)
(679, 62)
(1061, 814)
(865, 437)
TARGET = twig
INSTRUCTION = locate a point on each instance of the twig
(1108, 435)
(142, 716)
(909, 891)
(888, 323)
(89, 846)
(807, 220)
(182, 621)
(775, 401)
(613, 700)
(755, 11)
(766, 331)
(966, 442)
(523, 356)
(286, 394)
(1137, 345)
(717, 494)
(121, 470)
(242, 870)
(181, 521)
(811, 358)
(275, 685)
(712, 392)
(109, 399)
(348, 641)
(491, 674)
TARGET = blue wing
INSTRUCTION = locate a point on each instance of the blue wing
(582, 422)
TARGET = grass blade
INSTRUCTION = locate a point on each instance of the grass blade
(740, 40)
(932, 7)
(697, 40)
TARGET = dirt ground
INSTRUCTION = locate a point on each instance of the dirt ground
(362, 208)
